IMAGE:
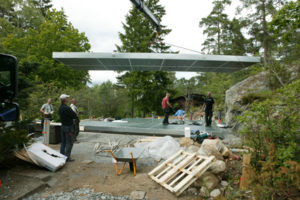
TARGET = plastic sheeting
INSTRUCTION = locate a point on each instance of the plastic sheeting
(44, 156)
(161, 148)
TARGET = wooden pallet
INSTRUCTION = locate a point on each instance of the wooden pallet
(180, 171)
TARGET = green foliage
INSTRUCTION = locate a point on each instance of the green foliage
(285, 29)
(43, 5)
(103, 100)
(261, 11)
(54, 35)
(218, 83)
(140, 33)
(282, 73)
(38, 73)
(145, 89)
(16, 17)
(106, 100)
(271, 128)
(37, 97)
(223, 35)
(184, 86)
(12, 137)
(254, 97)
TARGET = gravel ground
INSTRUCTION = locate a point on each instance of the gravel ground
(79, 194)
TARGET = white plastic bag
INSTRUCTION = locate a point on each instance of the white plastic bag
(161, 148)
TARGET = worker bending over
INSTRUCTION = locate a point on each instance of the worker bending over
(180, 114)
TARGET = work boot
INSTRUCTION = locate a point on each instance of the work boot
(70, 160)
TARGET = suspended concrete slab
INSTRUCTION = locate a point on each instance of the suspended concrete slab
(154, 61)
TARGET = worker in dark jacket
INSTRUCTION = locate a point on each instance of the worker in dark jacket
(67, 115)
(209, 108)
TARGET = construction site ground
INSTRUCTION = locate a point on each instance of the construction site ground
(89, 170)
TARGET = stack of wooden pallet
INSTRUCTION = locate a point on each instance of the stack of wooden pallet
(180, 171)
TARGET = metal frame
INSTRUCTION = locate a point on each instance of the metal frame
(154, 61)
(139, 4)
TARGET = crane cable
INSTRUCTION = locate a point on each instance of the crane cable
(157, 35)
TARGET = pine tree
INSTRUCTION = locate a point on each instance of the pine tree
(144, 88)
(262, 11)
(215, 28)
(17, 17)
(224, 36)
(285, 31)
(43, 5)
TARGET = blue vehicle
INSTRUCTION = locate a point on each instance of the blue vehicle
(9, 111)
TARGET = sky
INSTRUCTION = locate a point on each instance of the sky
(101, 20)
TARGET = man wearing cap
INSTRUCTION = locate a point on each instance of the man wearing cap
(67, 115)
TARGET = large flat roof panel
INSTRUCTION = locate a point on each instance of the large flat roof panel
(154, 61)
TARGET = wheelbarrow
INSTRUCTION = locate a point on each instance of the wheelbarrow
(129, 155)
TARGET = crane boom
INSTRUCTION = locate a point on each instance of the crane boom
(139, 4)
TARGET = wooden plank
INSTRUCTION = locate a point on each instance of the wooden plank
(189, 170)
(174, 170)
(176, 174)
(165, 185)
(184, 187)
(158, 168)
(185, 172)
(163, 172)
(177, 178)
(147, 139)
(244, 184)
(195, 174)
(170, 165)
(198, 171)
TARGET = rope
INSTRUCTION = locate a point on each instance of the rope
(157, 35)
(183, 48)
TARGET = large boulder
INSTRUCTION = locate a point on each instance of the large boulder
(186, 142)
(204, 192)
(207, 180)
(212, 148)
(217, 167)
(192, 149)
(215, 193)
(254, 84)
(234, 95)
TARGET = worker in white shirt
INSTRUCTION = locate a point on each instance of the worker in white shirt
(75, 121)
(47, 110)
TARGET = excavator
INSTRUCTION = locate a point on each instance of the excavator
(9, 111)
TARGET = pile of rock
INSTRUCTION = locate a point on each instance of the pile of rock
(79, 194)
(210, 184)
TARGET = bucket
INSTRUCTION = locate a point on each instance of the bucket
(187, 132)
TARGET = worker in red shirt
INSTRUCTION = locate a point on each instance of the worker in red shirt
(166, 108)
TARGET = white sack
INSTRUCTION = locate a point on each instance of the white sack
(44, 156)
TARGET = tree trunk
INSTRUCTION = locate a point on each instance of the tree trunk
(265, 33)
(132, 106)
(219, 39)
